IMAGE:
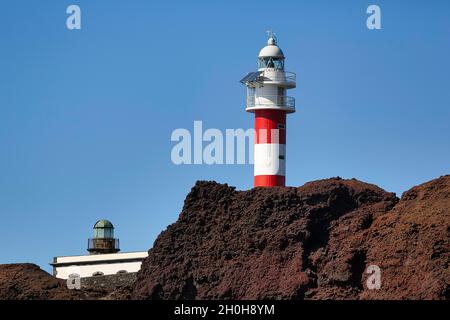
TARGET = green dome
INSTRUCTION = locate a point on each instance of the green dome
(103, 224)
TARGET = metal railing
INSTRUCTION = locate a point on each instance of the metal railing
(103, 244)
(278, 76)
(268, 101)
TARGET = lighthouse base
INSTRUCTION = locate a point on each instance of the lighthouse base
(269, 181)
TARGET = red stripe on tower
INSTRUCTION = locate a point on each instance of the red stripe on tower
(270, 126)
(269, 181)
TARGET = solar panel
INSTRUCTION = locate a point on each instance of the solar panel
(244, 79)
(250, 77)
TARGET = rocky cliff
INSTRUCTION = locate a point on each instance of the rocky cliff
(311, 242)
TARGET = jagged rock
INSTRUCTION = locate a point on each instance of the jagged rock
(26, 281)
(311, 242)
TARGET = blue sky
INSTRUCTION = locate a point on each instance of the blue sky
(86, 116)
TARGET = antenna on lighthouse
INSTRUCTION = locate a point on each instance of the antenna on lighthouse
(272, 37)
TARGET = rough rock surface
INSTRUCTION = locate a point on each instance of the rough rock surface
(412, 244)
(311, 242)
(27, 281)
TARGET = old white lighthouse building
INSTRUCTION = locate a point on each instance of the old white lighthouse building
(104, 258)
(267, 98)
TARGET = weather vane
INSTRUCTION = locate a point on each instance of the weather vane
(271, 34)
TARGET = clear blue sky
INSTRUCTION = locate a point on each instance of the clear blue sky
(86, 116)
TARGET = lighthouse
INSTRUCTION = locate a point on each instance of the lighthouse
(267, 98)
(104, 259)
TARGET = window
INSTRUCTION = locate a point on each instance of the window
(271, 62)
(281, 126)
(281, 157)
(122, 271)
(97, 273)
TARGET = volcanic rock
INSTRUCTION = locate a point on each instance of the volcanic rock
(310, 242)
(26, 281)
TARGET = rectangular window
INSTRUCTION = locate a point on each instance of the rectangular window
(281, 126)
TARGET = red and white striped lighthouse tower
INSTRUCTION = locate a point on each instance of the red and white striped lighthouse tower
(267, 99)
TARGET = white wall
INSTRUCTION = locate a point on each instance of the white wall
(89, 270)
(108, 264)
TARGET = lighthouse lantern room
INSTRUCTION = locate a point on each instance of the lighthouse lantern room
(267, 98)
(103, 241)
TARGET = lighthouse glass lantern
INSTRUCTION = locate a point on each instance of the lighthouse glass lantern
(103, 229)
(103, 240)
(267, 98)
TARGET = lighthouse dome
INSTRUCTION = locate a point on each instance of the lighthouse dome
(271, 50)
(103, 224)
(271, 56)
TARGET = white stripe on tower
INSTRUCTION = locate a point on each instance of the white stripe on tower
(267, 161)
